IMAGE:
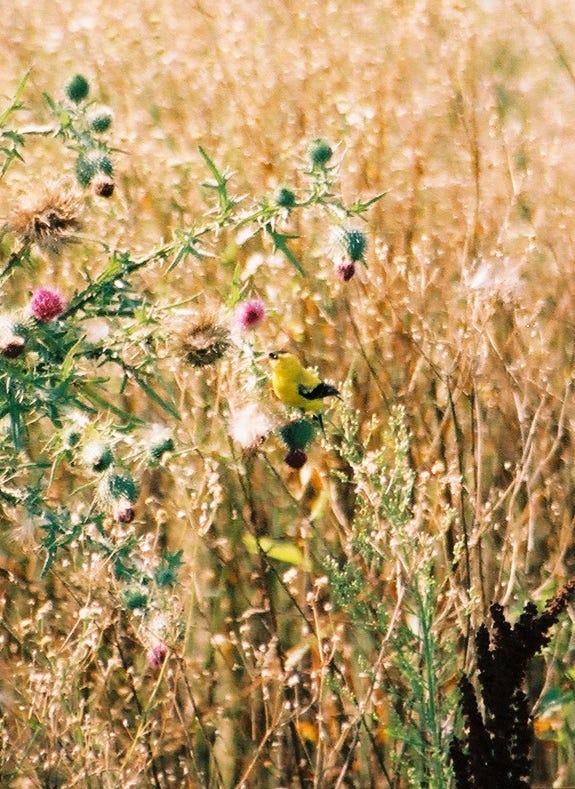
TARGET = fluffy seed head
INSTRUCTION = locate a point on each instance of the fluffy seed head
(159, 439)
(250, 314)
(97, 455)
(123, 511)
(49, 220)
(203, 343)
(47, 304)
(12, 346)
(249, 426)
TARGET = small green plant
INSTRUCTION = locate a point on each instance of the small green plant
(385, 582)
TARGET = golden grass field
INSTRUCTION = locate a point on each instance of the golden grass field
(463, 113)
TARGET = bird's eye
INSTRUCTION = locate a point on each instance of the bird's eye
(273, 355)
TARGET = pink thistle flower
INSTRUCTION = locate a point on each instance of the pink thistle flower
(123, 511)
(47, 304)
(250, 314)
(345, 269)
(157, 655)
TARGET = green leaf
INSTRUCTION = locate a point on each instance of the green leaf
(15, 104)
(96, 399)
(167, 405)
(280, 550)
(359, 207)
(236, 289)
(280, 243)
(167, 572)
(220, 179)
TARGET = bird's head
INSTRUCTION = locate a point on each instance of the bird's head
(282, 360)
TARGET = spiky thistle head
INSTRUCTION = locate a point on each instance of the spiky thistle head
(118, 491)
(49, 219)
(320, 152)
(100, 119)
(77, 88)
(203, 343)
(285, 198)
(93, 163)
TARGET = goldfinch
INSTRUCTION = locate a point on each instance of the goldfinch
(297, 386)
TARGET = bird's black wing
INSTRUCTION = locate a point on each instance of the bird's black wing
(318, 391)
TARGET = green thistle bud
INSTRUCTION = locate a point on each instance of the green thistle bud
(77, 88)
(355, 244)
(100, 119)
(285, 198)
(91, 163)
(298, 434)
(320, 152)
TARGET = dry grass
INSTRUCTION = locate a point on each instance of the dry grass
(464, 111)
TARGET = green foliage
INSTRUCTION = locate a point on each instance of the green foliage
(384, 535)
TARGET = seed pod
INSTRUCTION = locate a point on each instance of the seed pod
(296, 458)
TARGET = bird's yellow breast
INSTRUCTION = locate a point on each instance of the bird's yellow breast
(287, 376)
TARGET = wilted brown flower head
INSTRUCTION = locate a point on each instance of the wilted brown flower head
(103, 185)
(203, 343)
(49, 219)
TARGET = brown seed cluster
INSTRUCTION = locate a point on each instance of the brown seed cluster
(50, 220)
(203, 343)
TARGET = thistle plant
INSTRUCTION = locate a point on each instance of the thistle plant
(64, 384)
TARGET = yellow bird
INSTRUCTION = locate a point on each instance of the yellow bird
(297, 386)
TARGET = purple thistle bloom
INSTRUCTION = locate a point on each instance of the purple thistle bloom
(47, 304)
(157, 655)
(250, 314)
(123, 511)
(345, 269)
